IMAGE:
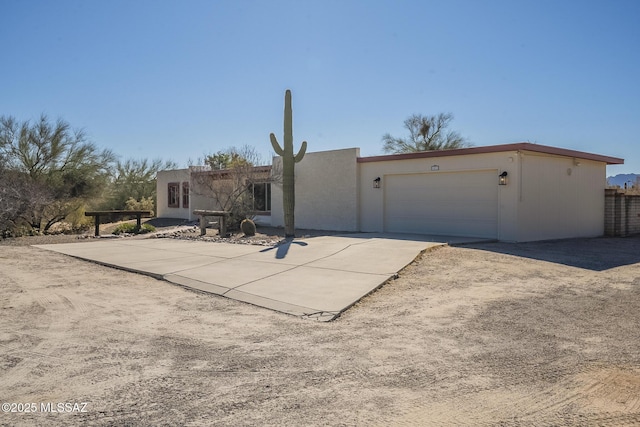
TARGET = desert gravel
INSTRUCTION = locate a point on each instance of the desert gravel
(541, 334)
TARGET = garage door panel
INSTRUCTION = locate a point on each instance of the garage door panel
(484, 229)
(458, 210)
(461, 203)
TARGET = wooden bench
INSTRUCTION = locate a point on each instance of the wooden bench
(222, 223)
(98, 214)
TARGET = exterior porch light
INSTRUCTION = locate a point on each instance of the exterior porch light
(502, 178)
(376, 182)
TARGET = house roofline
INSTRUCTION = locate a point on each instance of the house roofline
(208, 171)
(519, 146)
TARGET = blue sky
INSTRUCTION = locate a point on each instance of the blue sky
(178, 79)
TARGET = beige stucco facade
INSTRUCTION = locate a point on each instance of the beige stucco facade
(196, 181)
(546, 196)
(559, 197)
(550, 193)
(163, 179)
(326, 191)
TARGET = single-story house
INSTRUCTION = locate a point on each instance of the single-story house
(512, 192)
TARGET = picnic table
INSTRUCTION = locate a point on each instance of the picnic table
(222, 225)
(98, 214)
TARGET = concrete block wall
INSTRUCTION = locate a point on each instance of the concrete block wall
(609, 211)
(622, 213)
(620, 220)
(632, 206)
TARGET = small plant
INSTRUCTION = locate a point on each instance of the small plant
(21, 231)
(130, 228)
(126, 228)
(248, 227)
(147, 228)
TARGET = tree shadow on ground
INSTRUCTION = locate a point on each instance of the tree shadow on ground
(597, 254)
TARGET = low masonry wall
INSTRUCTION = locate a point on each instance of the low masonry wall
(622, 213)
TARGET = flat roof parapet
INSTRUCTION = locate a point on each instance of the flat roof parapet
(519, 146)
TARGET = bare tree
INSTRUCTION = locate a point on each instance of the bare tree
(228, 179)
(426, 133)
(23, 202)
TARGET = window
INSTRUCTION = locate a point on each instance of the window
(185, 194)
(174, 195)
(261, 197)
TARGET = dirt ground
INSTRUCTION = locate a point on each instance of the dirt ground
(543, 334)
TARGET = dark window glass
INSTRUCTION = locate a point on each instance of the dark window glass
(262, 197)
(185, 194)
(174, 195)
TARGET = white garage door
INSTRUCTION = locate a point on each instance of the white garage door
(446, 203)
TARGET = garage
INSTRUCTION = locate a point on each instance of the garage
(462, 203)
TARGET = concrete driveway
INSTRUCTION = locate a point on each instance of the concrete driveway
(314, 278)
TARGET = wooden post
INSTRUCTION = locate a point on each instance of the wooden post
(222, 222)
(222, 231)
(203, 225)
(97, 231)
(117, 213)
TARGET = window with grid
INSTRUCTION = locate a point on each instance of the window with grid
(174, 195)
(185, 194)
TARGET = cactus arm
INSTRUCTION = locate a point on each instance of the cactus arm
(300, 155)
(276, 147)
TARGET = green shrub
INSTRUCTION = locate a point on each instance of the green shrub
(125, 228)
(147, 228)
(131, 228)
(144, 204)
(78, 220)
(22, 231)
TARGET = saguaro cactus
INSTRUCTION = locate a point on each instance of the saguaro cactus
(288, 166)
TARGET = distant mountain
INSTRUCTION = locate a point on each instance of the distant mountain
(620, 179)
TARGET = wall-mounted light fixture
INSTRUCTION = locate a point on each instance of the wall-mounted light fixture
(376, 182)
(502, 178)
(576, 162)
(435, 168)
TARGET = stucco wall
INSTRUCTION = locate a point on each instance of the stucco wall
(372, 199)
(162, 181)
(199, 194)
(201, 197)
(561, 197)
(326, 191)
